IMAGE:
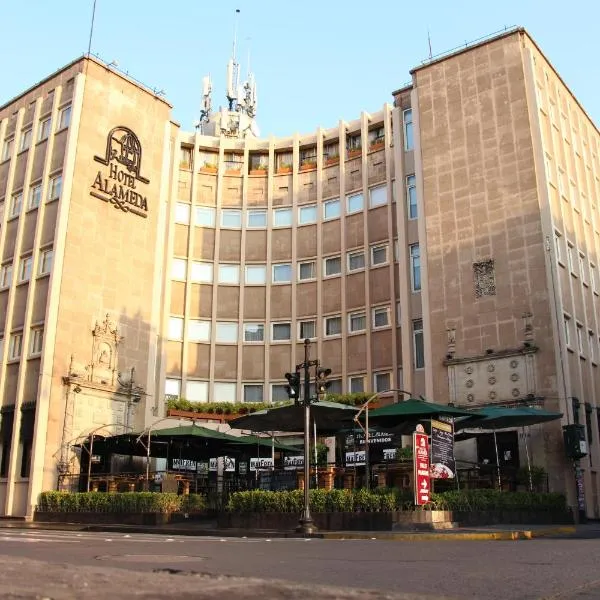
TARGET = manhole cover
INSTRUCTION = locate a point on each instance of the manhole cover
(150, 558)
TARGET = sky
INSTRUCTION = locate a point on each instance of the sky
(315, 61)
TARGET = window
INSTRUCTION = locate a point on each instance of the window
(307, 214)
(256, 274)
(356, 260)
(593, 280)
(202, 272)
(46, 257)
(333, 326)
(1, 347)
(205, 216)
(15, 347)
(335, 386)
(178, 268)
(7, 149)
(333, 266)
(16, 204)
(418, 348)
(282, 217)
(382, 382)
(44, 129)
(35, 196)
(357, 322)
(5, 275)
(196, 391)
(37, 341)
(411, 196)
(307, 330)
(409, 142)
(415, 267)
(378, 196)
(1, 212)
(558, 246)
(307, 270)
(591, 345)
(331, 209)
(253, 392)
(281, 332)
(25, 140)
(279, 392)
(55, 188)
(231, 218)
(225, 392)
(198, 331)
(227, 333)
(254, 332)
(354, 203)
(282, 273)
(175, 331)
(381, 317)
(182, 213)
(379, 255)
(582, 268)
(229, 274)
(25, 269)
(257, 218)
(172, 387)
(570, 262)
(64, 117)
(567, 323)
(580, 338)
(356, 384)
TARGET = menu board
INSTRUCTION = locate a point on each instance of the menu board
(421, 466)
(442, 450)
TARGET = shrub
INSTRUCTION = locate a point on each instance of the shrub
(471, 500)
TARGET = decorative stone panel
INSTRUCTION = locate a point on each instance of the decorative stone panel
(484, 278)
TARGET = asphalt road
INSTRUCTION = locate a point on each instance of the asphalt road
(530, 569)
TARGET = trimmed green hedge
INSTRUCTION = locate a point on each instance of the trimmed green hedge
(470, 500)
(220, 408)
(126, 502)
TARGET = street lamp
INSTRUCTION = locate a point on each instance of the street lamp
(365, 408)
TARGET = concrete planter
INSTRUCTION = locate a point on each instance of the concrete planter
(513, 517)
(103, 518)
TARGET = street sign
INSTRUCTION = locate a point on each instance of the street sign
(421, 468)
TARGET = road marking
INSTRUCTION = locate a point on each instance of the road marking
(28, 540)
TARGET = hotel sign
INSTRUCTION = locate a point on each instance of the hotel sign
(118, 183)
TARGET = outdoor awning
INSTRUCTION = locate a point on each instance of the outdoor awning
(501, 417)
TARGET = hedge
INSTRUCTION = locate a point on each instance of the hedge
(126, 502)
(470, 500)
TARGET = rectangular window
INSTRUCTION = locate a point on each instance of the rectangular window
(580, 338)
(256, 274)
(198, 331)
(281, 332)
(381, 317)
(307, 270)
(35, 196)
(182, 213)
(331, 209)
(357, 322)
(379, 255)
(356, 384)
(172, 387)
(411, 196)
(196, 391)
(254, 332)
(229, 274)
(55, 188)
(382, 382)
(582, 272)
(175, 328)
(415, 267)
(16, 346)
(205, 216)
(44, 129)
(201, 272)
(356, 260)
(16, 203)
(5, 275)
(333, 326)
(279, 392)
(378, 196)
(567, 323)
(7, 149)
(227, 333)
(46, 257)
(593, 280)
(178, 268)
(307, 330)
(409, 143)
(37, 341)
(591, 345)
(257, 218)
(64, 117)
(354, 203)
(225, 392)
(231, 218)
(253, 392)
(558, 246)
(570, 261)
(282, 217)
(282, 273)
(25, 140)
(25, 269)
(307, 214)
(333, 266)
(418, 347)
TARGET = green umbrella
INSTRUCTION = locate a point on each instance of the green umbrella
(501, 417)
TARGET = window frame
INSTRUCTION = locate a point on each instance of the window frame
(352, 253)
(221, 325)
(45, 266)
(337, 318)
(329, 203)
(349, 197)
(314, 325)
(255, 268)
(231, 212)
(174, 272)
(411, 197)
(357, 314)
(182, 213)
(307, 207)
(207, 210)
(256, 212)
(44, 128)
(36, 343)
(35, 193)
(201, 266)
(259, 327)
(314, 270)
(326, 261)
(418, 333)
(55, 187)
(25, 139)
(206, 325)
(376, 188)
(25, 268)
(281, 340)
(175, 328)
(16, 205)
(408, 129)
(226, 267)
(352, 378)
(15, 346)
(416, 282)
(378, 309)
(246, 386)
(274, 268)
(6, 275)
(279, 211)
(373, 249)
(64, 117)
(378, 374)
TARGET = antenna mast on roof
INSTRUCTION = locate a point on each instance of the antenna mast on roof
(233, 69)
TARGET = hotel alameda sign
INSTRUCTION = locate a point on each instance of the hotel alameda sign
(118, 182)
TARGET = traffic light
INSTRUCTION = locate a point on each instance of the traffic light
(322, 383)
(293, 387)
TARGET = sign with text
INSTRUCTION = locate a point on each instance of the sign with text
(442, 450)
(356, 459)
(293, 462)
(421, 467)
(256, 464)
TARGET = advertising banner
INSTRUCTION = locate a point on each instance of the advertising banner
(256, 464)
(421, 467)
(356, 459)
(293, 462)
(442, 450)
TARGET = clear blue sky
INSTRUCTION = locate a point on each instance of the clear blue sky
(315, 61)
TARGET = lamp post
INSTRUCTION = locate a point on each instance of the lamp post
(365, 408)
(306, 524)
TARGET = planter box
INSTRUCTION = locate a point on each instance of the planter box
(284, 170)
(233, 171)
(211, 170)
(262, 172)
(376, 146)
(354, 153)
(513, 517)
(307, 167)
(93, 518)
(332, 161)
(190, 414)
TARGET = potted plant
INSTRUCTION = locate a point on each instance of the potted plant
(377, 144)
(308, 165)
(259, 169)
(233, 171)
(209, 167)
(284, 168)
(332, 159)
(354, 152)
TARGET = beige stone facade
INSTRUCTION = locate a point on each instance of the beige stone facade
(416, 246)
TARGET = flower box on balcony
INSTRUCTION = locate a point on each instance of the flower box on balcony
(259, 171)
(308, 166)
(233, 171)
(377, 145)
(354, 153)
(208, 168)
(284, 168)
(191, 414)
(332, 160)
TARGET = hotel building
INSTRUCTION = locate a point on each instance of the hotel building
(447, 244)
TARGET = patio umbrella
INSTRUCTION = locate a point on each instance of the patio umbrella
(329, 417)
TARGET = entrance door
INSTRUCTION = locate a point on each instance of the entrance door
(508, 449)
